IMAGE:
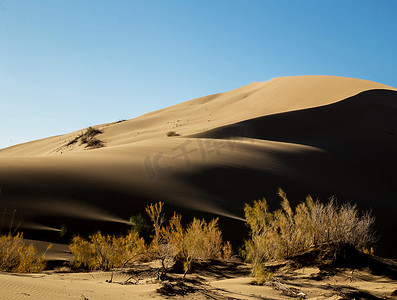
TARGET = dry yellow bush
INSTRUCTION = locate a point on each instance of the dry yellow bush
(170, 242)
(16, 256)
(198, 241)
(163, 245)
(227, 251)
(106, 252)
(285, 233)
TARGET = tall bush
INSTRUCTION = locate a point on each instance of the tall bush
(287, 232)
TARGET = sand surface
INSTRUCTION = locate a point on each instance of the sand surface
(345, 284)
(322, 135)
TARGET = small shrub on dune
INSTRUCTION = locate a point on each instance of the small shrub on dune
(105, 252)
(74, 141)
(88, 138)
(91, 131)
(16, 256)
(285, 233)
(171, 133)
(94, 143)
(84, 139)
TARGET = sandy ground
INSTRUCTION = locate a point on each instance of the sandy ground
(345, 284)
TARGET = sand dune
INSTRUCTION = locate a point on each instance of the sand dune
(201, 114)
(310, 134)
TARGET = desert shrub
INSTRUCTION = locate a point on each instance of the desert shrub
(140, 224)
(202, 241)
(84, 139)
(285, 232)
(88, 138)
(106, 252)
(63, 230)
(74, 141)
(91, 131)
(227, 251)
(165, 242)
(94, 143)
(262, 274)
(261, 246)
(172, 133)
(171, 242)
(16, 256)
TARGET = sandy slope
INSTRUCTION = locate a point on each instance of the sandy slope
(201, 114)
(310, 134)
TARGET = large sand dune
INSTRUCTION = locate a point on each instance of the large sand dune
(310, 134)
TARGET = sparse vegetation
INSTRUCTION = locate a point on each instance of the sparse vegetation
(105, 252)
(285, 233)
(74, 141)
(94, 143)
(16, 256)
(170, 243)
(91, 131)
(171, 133)
(281, 234)
(88, 138)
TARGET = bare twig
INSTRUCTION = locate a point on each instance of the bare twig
(292, 292)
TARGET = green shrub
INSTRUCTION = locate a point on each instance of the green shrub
(139, 224)
(63, 230)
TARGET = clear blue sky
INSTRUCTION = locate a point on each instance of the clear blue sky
(65, 65)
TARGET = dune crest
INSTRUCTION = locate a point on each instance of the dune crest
(198, 115)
